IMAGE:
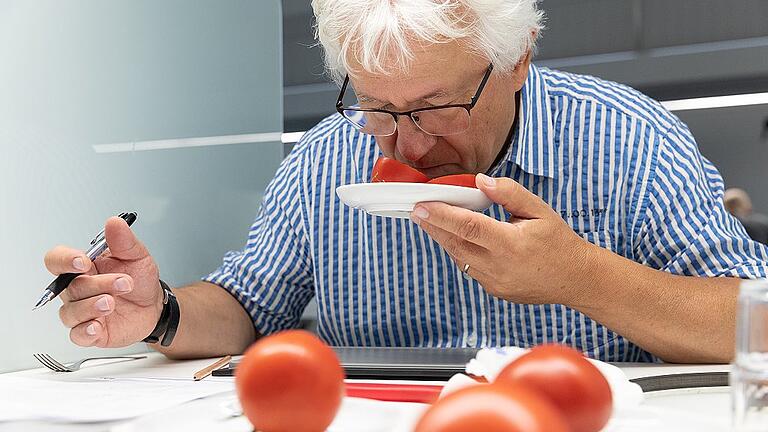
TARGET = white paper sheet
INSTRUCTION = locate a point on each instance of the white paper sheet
(97, 399)
(222, 414)
(363, 415)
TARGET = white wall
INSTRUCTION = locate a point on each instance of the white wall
(83, 73)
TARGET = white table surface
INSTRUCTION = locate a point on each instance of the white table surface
(711, 403)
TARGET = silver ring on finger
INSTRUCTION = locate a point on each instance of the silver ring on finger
(465, 269)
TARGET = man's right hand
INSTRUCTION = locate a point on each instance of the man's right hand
(117, 300)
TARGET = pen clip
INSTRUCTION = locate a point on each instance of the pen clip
(100, 235)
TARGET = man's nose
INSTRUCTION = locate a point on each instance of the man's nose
(412, 143)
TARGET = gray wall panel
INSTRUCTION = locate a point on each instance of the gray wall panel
(575, 28)
(682, 22)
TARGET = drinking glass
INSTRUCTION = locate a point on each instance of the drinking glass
(749, 374)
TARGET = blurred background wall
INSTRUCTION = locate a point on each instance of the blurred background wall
(172, 109)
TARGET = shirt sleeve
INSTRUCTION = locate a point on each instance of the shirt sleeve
(272, 276)
(686, 229)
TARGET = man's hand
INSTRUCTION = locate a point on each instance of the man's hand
(533, 258)
(118, 300)
(536, 257)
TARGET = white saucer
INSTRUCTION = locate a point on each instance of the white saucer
(397, 200)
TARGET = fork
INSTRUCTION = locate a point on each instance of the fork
(56, 366)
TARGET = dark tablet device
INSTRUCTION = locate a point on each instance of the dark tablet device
(395, 363)
(440, 364)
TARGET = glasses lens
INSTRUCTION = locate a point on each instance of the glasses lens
(372, 123)
(443, 121)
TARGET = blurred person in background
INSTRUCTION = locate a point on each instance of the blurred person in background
(739, 204)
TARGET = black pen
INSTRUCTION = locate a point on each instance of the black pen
(98, 246)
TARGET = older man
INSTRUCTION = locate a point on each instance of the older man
(608, 232)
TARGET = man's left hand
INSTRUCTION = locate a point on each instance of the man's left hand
(534, 258)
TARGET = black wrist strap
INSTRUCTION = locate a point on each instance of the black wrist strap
(173, 321)
(160, 326)
(169, 319)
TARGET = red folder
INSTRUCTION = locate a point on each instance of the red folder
(394, 392)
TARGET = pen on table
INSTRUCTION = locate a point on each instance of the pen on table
(62, 281)
(202, 373)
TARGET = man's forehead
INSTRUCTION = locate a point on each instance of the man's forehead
(434, 70)
(427, 95)
(418, 85)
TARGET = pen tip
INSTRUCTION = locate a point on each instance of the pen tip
(43, 300)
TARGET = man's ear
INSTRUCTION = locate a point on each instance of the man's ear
(520, 74)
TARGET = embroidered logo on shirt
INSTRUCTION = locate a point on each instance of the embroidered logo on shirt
(584, 213)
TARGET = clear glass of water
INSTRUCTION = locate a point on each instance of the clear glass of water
(749, 376)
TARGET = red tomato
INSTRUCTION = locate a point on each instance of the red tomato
(290, 381)
(568, 380)
(389, 170)
(466, 180)
(492, 408)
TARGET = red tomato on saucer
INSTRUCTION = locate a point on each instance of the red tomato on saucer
(492, 408)
(568, 380)
(290, 382)
(389, 170)
(466, 180)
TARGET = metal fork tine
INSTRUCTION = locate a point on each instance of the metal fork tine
(53, 362)
(61, 367)
(45, 362)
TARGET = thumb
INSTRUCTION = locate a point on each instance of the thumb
(122, 242)
(513, 197)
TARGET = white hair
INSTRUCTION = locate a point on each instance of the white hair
(379, 35)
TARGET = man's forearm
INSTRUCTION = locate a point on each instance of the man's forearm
(679, 319)
(212, 324)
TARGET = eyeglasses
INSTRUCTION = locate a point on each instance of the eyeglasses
(437, 120)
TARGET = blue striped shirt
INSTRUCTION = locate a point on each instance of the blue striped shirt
(622, 171)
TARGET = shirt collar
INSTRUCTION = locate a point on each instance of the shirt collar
(533, 145)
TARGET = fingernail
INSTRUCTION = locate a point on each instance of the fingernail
(102, 304)
(122, 286)
(91, 329)
(78, 264)
(420, 212)
(488, 181)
